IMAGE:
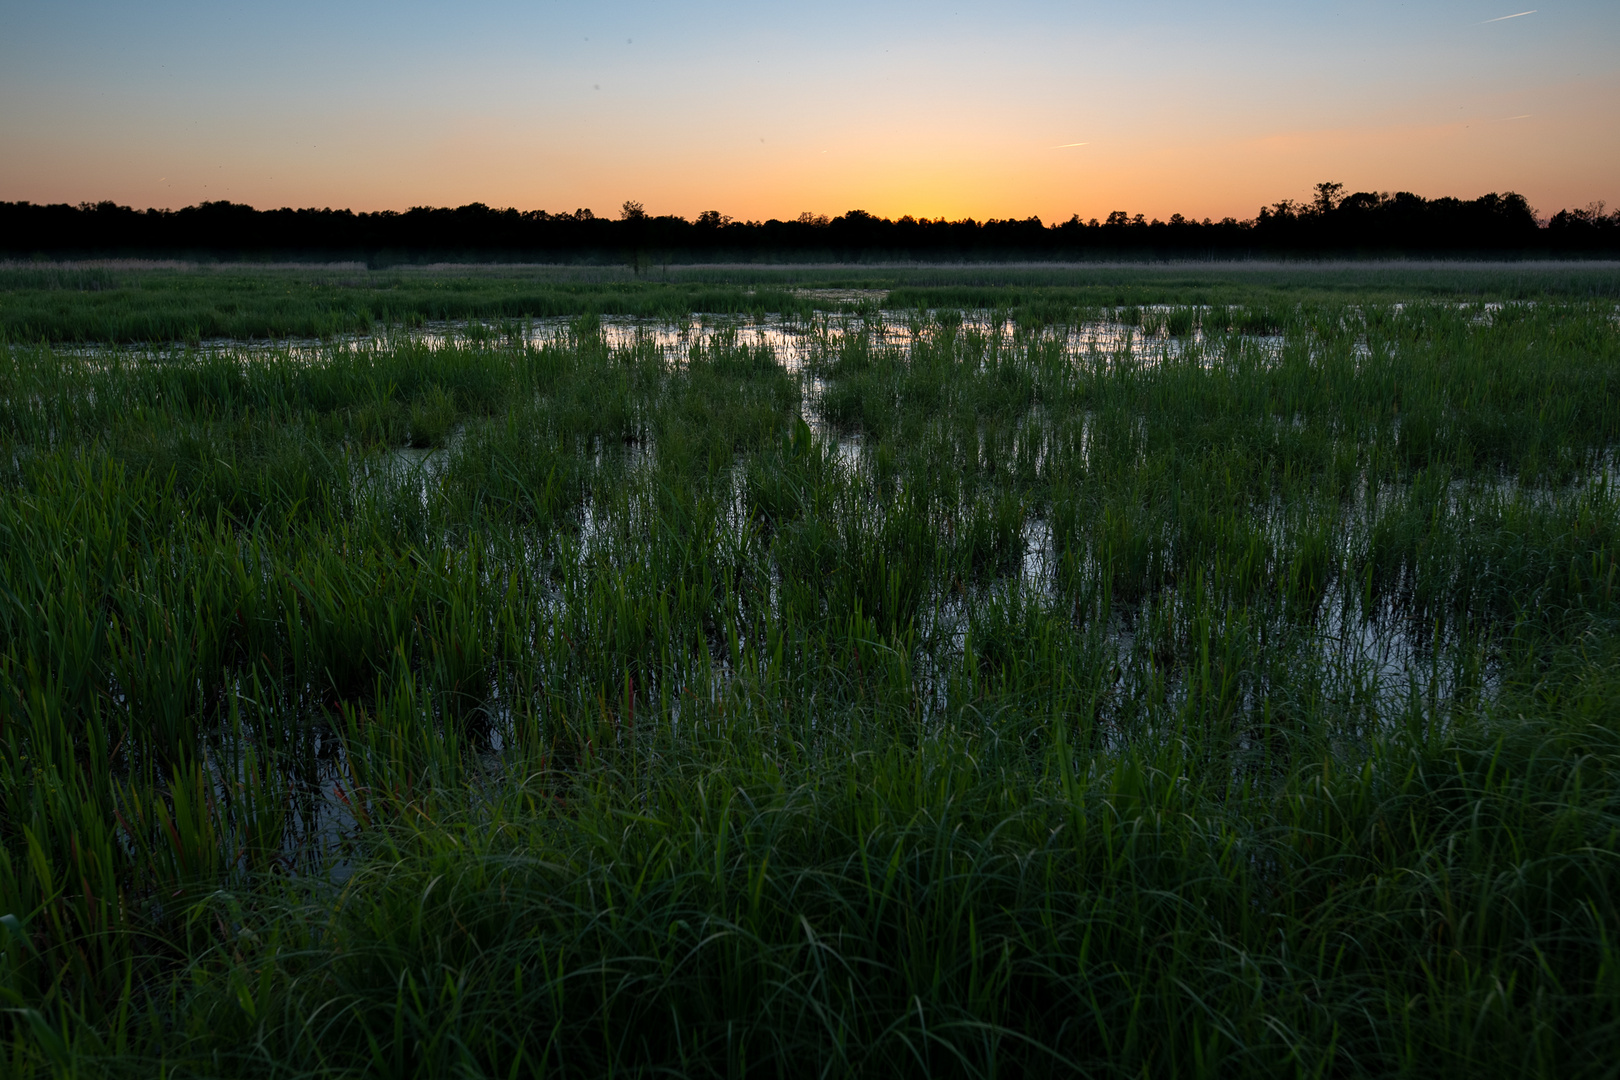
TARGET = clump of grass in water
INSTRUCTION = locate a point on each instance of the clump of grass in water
(650, 730)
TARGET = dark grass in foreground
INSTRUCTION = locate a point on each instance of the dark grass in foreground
(1212, 709)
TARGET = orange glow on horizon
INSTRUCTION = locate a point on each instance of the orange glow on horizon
(983, 113)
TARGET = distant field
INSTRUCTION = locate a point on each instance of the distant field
(123, 301)
(1170, 671)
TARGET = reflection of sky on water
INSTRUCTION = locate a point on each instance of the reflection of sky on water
(793, 340)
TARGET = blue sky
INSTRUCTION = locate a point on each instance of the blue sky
(770, 109)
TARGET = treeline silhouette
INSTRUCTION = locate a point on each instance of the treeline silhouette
(1332, 222)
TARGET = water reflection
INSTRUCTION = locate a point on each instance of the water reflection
(1146, 332)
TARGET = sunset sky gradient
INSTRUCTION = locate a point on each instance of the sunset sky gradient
(767, 110)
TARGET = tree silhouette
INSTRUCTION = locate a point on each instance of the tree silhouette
(1328, 197)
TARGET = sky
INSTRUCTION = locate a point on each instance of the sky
(760, 110)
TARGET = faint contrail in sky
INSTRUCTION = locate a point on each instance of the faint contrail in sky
(1499, 18)
(1061, 146)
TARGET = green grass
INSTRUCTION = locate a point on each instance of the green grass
(958, 707)
(113, 302)
(111, 305)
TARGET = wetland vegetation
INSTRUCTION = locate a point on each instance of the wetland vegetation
(132, 302)
(971, 680)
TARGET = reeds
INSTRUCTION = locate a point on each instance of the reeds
(1236, 700)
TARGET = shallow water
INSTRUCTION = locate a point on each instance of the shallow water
(792, 340)
(1371, 653)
